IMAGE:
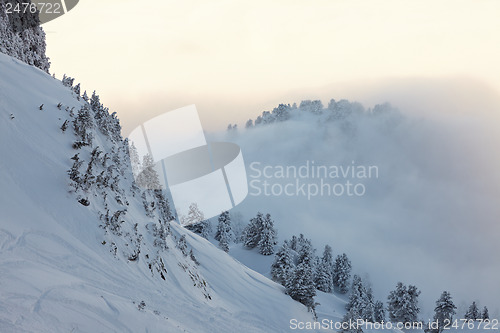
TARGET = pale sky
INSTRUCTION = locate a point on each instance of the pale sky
(234, 59)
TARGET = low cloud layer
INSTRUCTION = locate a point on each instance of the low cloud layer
(430, 219)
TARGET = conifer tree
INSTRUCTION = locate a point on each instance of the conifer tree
(403, 303)
(324, 271)
(148, 178)
(300, 286)
(368, 311)
(223, 226)
(223, 233)
(283, 265)
(74, 172)
(357, 297)
(444, 310)
(342, 273)
(379, 312)
(267, 237)
(83, 125)
(85, 96)
(76, 89)
(293, 243)
(253, 231)
(473, 312)
(182, 245)
(485, 315)
(195, 221)
(350, 322)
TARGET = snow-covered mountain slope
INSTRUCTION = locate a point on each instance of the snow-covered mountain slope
(63, 270)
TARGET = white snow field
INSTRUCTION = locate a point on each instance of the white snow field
(55, 273)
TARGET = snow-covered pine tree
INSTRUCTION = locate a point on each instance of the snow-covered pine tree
(101, 114)
(164, 209)
(282, 112)
(357, 297)
(148, 178)
(253, 231)
(300, 242)
(182, 245)
(223, 225)
(395, 301)
(22, 37)
(300, 286)
(202, 228)
(258, 120)
(85, 96)
(135, 161)
(473, 312)
(249, 123)
(311, 106)
(411, 304)
(403, 304)
(379, 312)
(485, 315)
(282, 267)
(268, 117)
(76, 89)
(223, 233)
(74, 173)
(224, 242)
(83, 125)
(195, 221)
(293, 243)
(342, 273)
(368, 311)
(444, 310)
(68, 81)
(324, 271)
(306, 253)
(267, 239)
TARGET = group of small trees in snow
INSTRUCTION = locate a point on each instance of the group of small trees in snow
(445, 310)
(196, 222)
(362, 305)
(22, 37)
(260, 233)
(402, 305)
(103, 174)
(297, 268)
(474, 313)
(341, 110)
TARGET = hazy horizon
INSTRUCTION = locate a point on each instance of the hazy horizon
(237, 59)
